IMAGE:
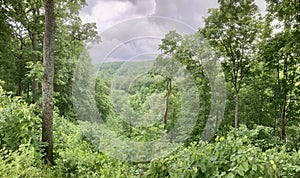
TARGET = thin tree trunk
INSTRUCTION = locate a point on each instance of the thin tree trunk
(47, 85)
(169, 87)
(20, 89)
(28, 92)
(20, 68)
(276, 91)
(261, 107)
(236, 123)
(284, 103)
(35, 89)
(282, 122)
(275, 120)
(35, 82)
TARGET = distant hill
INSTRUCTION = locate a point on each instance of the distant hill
(111, 70)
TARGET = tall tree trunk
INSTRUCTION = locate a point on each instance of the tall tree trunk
(275, 119)
(261, 107)
(236, 117)
(284, 103)
(169, 87)
(276, 91)
(47, 85)
(35, 89)
(35, 82)
(282, 122)
(20, 89)
(20, 68)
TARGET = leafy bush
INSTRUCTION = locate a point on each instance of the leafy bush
(233, 156)
(293, 141)
(261, 136)
(23, 162)
(18, 122)
(76, 157)
(242, 152)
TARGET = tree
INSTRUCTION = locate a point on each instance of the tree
(71, 39)
(47, 85)
(166, 65)
(287, 11)
(280, 57)
(22, 34)
(25, 21)
(280, 54)
(232, 29)
(7, 43)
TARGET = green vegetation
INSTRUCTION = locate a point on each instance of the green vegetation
(256, 135)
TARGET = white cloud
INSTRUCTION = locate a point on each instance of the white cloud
(190, 12)
(107, 13)
(134, 37)
(117, 23)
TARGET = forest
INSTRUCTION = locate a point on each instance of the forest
(220, 102)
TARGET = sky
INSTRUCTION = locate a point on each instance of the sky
(133, 29)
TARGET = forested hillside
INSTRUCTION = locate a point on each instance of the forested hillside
(223, 101)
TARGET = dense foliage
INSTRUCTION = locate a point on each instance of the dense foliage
(257, 136)
(241, 152)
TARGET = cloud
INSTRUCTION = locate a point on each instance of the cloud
(132, 1)
(107, 13)
(133, 37)
(125, 22)
(190, 12)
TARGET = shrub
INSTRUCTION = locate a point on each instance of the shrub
(18, 122)
(233, 156)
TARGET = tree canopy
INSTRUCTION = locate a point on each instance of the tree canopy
(222, 101)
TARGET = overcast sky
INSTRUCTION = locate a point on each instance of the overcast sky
(132, 29)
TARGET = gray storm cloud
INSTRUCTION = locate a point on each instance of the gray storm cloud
(190, 12)
(109, 13)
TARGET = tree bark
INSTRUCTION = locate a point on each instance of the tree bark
(275, 119)
(35, 82)
(236, 118)
(35, 89)
(20, 68)
(169, 87)
(276, 91)
(47, 85)
(282, 122)
(20, 89)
